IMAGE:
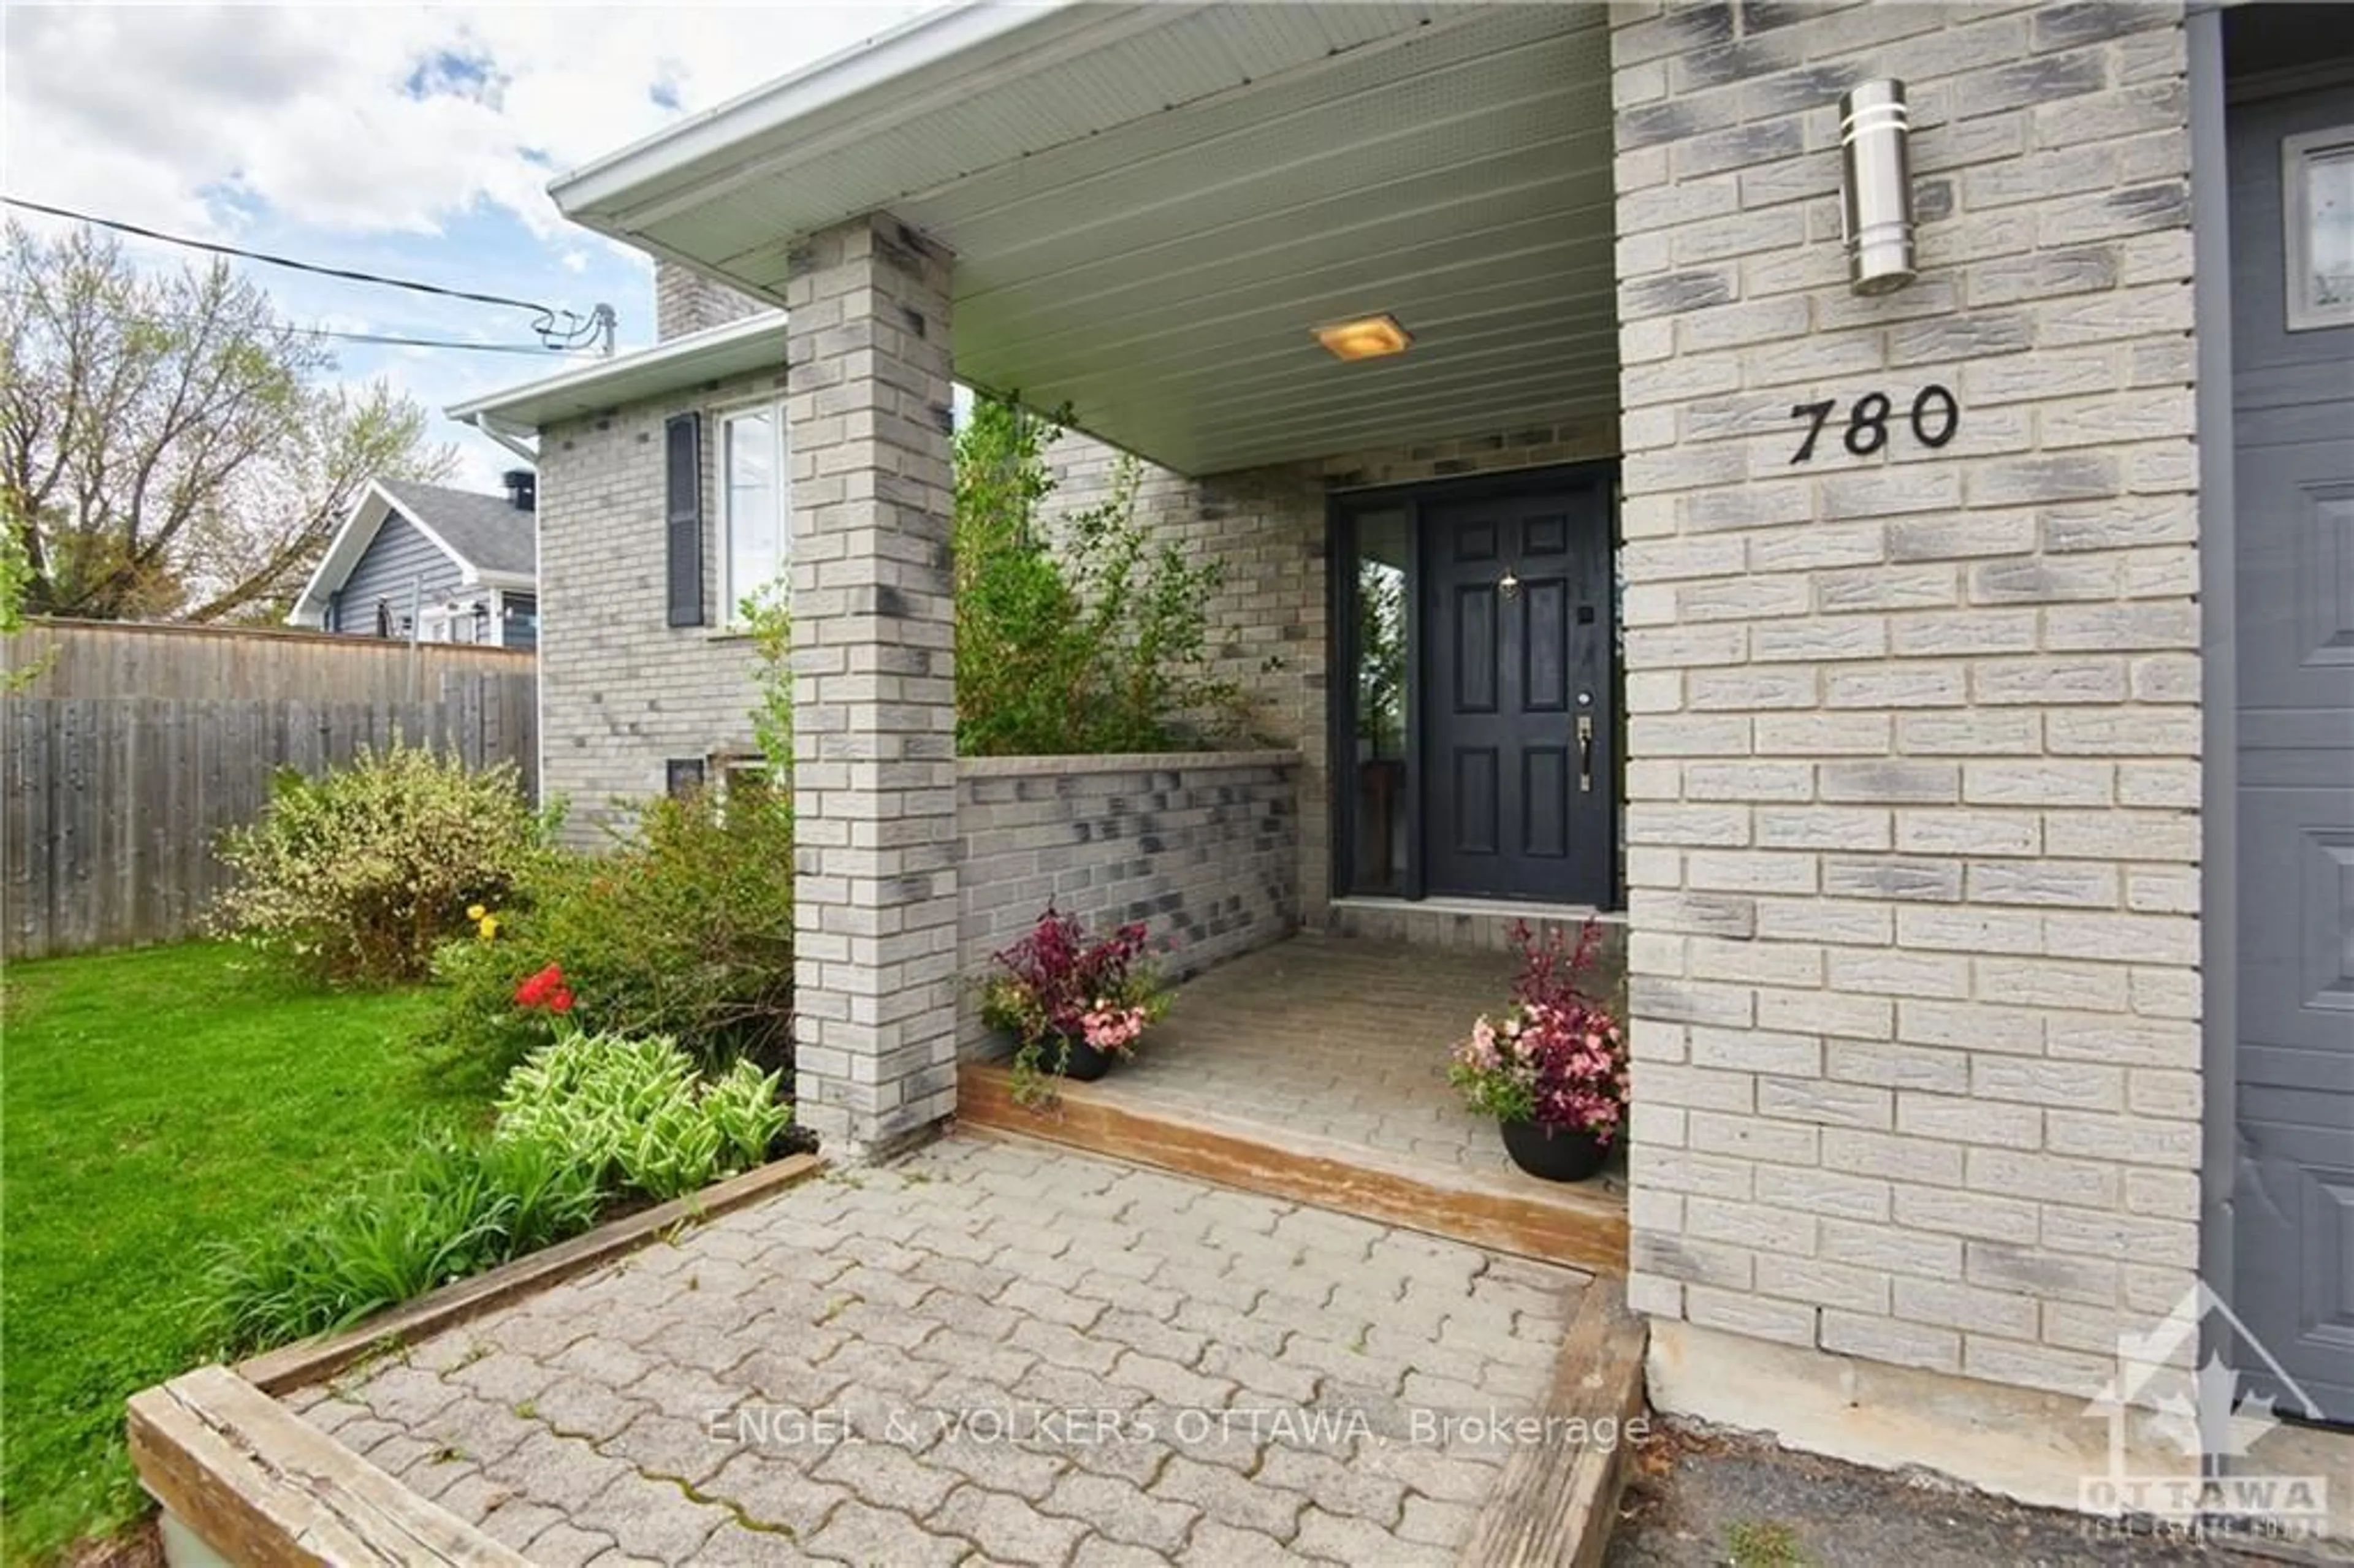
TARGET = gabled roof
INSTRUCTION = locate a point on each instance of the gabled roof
(489, 539)
(488, 533)
(689, 360)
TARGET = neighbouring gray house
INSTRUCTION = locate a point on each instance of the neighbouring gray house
(1935, 650)
(432, 563)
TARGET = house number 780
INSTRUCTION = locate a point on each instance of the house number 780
(1936, 416)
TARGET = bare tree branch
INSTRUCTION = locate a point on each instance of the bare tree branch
(168, 445)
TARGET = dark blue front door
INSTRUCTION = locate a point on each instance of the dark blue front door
(1518, 746)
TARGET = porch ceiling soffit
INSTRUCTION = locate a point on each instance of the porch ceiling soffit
(1152, 205)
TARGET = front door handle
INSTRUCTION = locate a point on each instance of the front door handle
(1585, 754)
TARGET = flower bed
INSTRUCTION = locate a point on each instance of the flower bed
(589, 1126)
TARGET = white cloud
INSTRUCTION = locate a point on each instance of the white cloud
(368, 118)
(320, 125)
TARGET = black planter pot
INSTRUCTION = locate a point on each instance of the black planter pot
(1084, 1064)
(1558, 1154)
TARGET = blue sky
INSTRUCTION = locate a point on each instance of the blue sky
(414, 140)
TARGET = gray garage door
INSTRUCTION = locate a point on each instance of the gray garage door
(2293, 274)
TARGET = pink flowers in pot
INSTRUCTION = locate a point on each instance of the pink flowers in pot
(1112, 1028)
(1556, 1057)
(1058, 990)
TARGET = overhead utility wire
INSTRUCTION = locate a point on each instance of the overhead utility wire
(581, 330)
(537, 350)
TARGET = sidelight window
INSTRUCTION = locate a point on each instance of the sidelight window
(1377, 763)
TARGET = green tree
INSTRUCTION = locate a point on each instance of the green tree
(1021, 669)
(169, 447)
(15, 677)
(768, 616)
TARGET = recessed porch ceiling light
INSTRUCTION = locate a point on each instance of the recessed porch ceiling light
(1369, 338)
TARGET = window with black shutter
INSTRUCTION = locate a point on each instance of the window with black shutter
(683, 453)
(684, 775)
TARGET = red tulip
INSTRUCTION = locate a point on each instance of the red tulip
(539, 988)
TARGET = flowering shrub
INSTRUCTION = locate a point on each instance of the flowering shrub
(358, 874)
(684, 931)
(1556, 1056)
(1057, 986)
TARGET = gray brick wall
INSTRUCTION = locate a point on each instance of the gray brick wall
(1268, 622)
(1913, 758)
(1204, 849)
(686, 300)
(621, 691)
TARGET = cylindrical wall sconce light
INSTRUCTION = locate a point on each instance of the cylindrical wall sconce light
(1876, 197)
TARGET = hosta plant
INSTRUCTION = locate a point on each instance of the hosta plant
(586, 1120)
(633, 1110)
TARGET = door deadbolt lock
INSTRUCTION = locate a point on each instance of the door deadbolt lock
(1585, 754)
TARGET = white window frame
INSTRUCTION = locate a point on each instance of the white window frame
(721, 768)
(731, 592)
(732, 764)
(2304, 313)
(503, 612)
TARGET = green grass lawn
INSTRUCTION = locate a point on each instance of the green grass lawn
(151, 1102)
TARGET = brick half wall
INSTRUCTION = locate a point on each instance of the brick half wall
(1203, 847)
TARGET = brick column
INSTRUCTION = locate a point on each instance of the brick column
(1913, 758)
(867, 408)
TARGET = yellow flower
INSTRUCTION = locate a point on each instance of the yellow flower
(475, 911)
(490, 926)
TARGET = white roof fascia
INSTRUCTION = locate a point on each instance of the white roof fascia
(665, 366)
(884, 62)
(310, 607)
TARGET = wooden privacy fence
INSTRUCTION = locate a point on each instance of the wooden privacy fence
(113, 802)
(125, 659)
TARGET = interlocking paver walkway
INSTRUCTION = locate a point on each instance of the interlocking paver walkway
(986, 1353)
(1343, 1040)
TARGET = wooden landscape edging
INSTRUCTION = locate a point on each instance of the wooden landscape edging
(264, 1488)
(1572, 1227)
(275, 1372)
(1555, 1502)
